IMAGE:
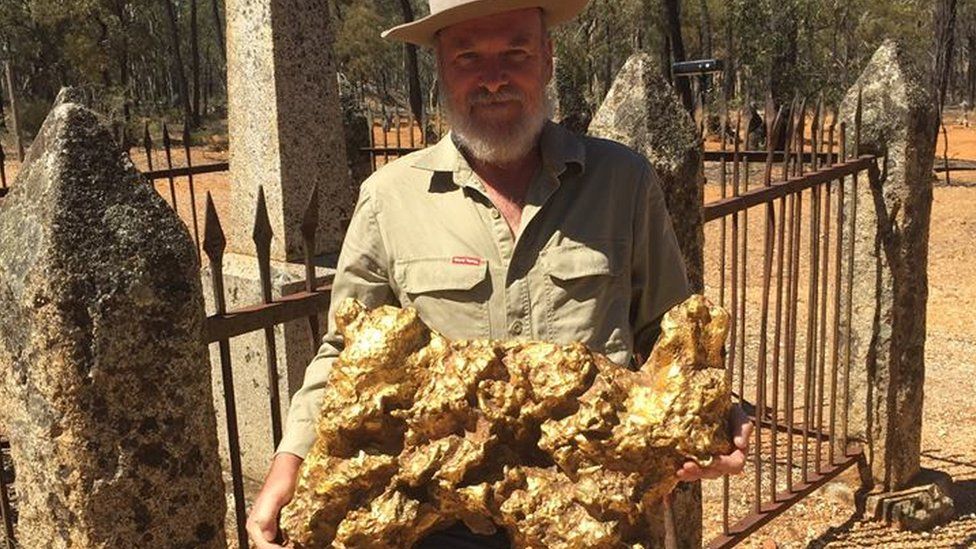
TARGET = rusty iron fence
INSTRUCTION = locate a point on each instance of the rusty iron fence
(387, 127)
(795, 366)
(777, 355)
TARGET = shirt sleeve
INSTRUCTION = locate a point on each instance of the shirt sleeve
(361, 273)
(659, 280)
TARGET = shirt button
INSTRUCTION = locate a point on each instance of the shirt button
(495, 214)
(516, 328)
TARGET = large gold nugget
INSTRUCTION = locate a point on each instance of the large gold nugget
(556, 444)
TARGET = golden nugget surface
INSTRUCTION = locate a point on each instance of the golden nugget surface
(553, 443)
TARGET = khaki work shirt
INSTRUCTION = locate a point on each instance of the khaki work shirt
(595, 260)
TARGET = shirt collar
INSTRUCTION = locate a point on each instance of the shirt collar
(560, 150)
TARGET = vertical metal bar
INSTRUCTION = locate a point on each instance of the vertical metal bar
(831, 154)
(262, 240)
(372, 138)
(167, 146)
(850, 302)
(189, 176)
(815, 148)
(824, 274)
(735, 254)
(788, 141)
(399, 129)
(723, 184)
(859, 112)
(798, 138)
(809, 375)
(310, 223)
(723, 176)
(386, 137)
(796, 209)
(214, 244)
(763, 326)
(802, 144)
(410, 124)
(834, 359)
(743, 276)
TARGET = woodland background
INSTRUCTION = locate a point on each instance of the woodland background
(164, 59)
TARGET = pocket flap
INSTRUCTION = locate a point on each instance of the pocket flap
(578, 261)
(419, 276)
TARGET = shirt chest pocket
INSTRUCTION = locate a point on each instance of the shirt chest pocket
(586, 293)
(451, 297)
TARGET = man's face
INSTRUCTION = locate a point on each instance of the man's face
(494, 71)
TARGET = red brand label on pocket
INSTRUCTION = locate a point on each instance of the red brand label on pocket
(463, 260)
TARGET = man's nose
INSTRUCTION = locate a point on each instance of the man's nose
(494, 76)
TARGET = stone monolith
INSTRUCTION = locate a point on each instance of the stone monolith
(643, 112)
(899, 124)
(104, 384)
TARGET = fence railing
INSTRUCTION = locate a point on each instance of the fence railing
(777, 359)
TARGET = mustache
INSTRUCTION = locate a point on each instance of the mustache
(485, 97)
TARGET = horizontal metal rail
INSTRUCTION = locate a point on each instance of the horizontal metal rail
(764, 195)
(296, 306)
(784, 500)
(187, 171)
(762, 156)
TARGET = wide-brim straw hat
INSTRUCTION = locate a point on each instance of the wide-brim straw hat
(444, 13)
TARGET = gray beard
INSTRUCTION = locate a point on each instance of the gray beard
(496, 145)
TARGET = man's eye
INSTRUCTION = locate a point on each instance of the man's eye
(467, 57)
(518, 55)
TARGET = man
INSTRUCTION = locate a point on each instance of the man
(510, 227)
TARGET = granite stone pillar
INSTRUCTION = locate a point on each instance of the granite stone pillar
(286, 135)
(899, 123)
(643, 112)
(104, 388)
(285, 124)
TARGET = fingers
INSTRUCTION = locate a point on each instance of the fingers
(740, 427)
(731, 464)
(262, 525)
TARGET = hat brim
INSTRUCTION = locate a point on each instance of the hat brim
(423, 31)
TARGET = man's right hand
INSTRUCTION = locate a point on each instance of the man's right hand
(279, 486)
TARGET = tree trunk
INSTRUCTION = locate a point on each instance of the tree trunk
(413, 71)
(706, 30)
(178, 61)
(945, 25)
(971, 67)
(219, 30)
(672, 16)
(195, 62)
(728, 77)
(784, 24)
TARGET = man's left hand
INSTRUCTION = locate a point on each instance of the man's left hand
(740, 427)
